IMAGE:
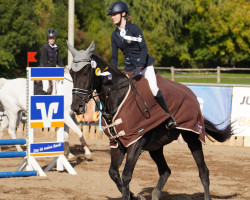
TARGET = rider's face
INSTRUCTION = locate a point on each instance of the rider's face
(51, 40)
(116, 17)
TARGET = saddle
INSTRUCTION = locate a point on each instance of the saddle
(139, 112)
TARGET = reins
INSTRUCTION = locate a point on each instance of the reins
(90, 95)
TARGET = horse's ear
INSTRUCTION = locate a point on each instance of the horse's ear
(91, 48)
(71, 49)
(67, 68)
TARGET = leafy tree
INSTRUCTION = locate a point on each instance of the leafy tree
(220, 33)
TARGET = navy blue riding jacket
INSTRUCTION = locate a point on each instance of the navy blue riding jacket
(50, 57)
(136, 53)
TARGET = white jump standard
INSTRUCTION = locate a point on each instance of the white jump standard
(45, 111)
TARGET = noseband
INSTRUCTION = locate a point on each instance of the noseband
(78, 92)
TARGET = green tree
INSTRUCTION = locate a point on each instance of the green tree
(220, 34)
(23, 26)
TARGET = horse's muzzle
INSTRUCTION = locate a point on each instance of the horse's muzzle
(80, 109)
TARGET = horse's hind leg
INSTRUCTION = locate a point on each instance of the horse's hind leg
(195, 147)
(163, 171)
(12, 128)
(66, 143)
(69, 121)
(4, 125)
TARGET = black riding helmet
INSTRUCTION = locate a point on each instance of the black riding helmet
(118, 7)
(51, 33)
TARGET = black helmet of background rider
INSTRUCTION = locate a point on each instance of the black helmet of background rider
(118, 7)
(51, 33)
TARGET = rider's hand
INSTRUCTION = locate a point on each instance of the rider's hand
(136, 71)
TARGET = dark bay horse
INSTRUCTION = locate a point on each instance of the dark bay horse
(111, 93)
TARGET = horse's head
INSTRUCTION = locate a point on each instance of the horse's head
(93, 73)
(84, 75)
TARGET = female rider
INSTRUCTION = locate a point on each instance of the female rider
(129, 39)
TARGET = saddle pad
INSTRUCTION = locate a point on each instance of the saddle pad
(131, 121)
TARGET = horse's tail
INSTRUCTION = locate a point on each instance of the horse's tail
(2, 81)
(219, 135)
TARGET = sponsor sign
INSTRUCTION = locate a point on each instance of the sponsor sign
(47, 73)
(215, 103)
(241, 111)
(47, 149)
(46, 111)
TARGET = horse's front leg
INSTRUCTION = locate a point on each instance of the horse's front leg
(117, 157)
(133, 153)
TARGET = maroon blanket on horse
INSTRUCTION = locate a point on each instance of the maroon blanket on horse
(131, 120)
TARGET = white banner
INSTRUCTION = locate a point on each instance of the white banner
(241, 111)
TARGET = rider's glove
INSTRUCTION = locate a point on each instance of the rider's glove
(137, 71)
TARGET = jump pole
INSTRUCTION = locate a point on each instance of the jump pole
(16, 173)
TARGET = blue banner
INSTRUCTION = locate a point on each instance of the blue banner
(49, 105)
(46, 72)
(43, 149)
(46, 111)
(215, 103)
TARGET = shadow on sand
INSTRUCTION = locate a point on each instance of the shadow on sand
(146, 193)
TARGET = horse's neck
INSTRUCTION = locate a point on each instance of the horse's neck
(2, 81)
(113, 92)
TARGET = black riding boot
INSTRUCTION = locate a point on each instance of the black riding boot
(170, 122)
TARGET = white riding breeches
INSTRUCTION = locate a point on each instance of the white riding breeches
(149, 74)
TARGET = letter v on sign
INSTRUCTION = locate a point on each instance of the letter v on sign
(47, 118)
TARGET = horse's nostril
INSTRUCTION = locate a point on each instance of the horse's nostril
(80, 108)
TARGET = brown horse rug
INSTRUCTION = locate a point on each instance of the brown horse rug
(139, 112)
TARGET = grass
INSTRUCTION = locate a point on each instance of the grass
(195, 77)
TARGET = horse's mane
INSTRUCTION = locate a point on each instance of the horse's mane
(102, 63)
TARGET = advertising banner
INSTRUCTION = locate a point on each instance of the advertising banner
(215, 103)
(241, 111)
(47, 149)
(46, 111)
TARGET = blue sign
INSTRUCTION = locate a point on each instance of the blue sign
(47, 111)
(44, 149)
(215, 103)
(47, 72)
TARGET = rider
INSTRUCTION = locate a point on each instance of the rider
(129, 39)
(50, 57)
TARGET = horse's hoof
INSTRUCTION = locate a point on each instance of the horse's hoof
(71, 156)
(89, 157)
(140, 197)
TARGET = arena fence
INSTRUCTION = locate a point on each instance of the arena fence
(208, 72)
(93, 132)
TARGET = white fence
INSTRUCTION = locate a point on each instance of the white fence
(215, 72)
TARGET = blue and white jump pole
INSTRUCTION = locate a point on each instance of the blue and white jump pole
(15, 154)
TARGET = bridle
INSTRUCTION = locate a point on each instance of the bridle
(78, 92)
